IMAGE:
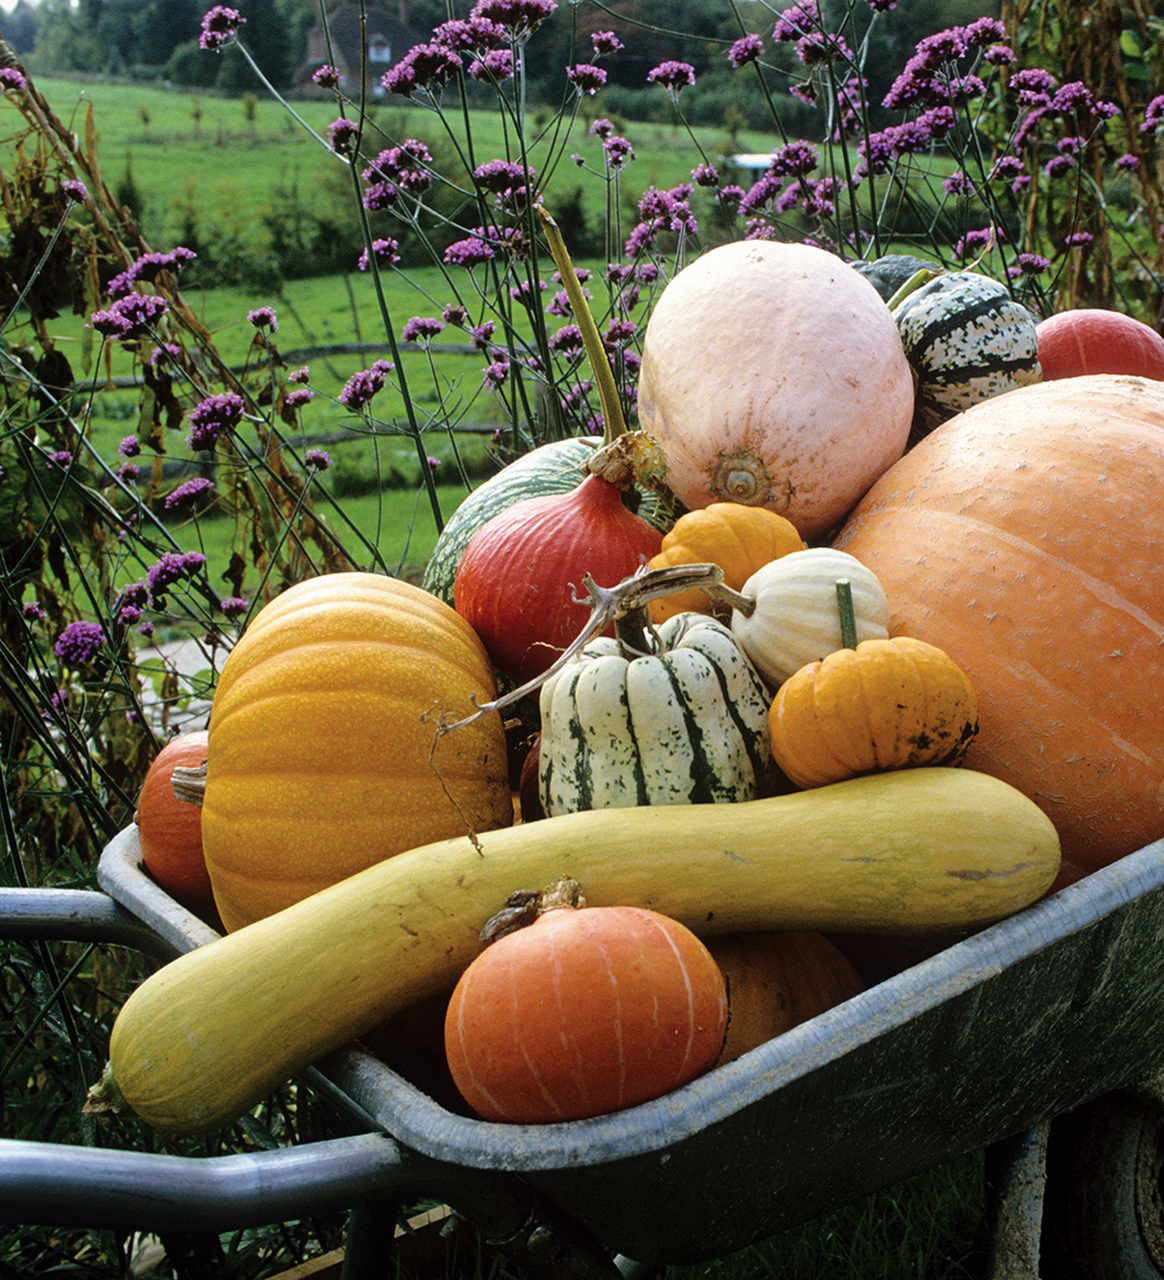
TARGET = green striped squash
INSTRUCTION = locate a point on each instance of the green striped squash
(968, 340)
(686, 723)
(557, 467)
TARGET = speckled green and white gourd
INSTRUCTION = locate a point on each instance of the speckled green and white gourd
(968, 340)
(684, 723)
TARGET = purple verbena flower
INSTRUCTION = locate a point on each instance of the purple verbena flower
(212, 418)
(31, 611)
(219, 27)
(341, 135)
(233, 606)
(1128, 161)
(1028, 264)
(618, 151)
(494, 67)
(482, 334)
(500, 175)
(820, 47)
(469, 252)
(1153, 114)
(496, 373)
(171, 568)
(454, 313)
(263, 318)
(586, 77)
(470, 33)
(71, 187)
(385, 251)
(62, 460)
(327, 76)
(517, 16)
(129, 446)
(705, 175)
(317, 459)
(796, 21)
(362, 386)
(128, 472)
(567, 340)
(298, 397)
(10, 78)
(421, 329)
(673, 76)
(1078, 238)
(189, 492)
(300, 375)
(746, 49)
(604, 42)
(794, 160)
(78, 643)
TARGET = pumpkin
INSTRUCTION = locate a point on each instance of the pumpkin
(324, 754)
(1024, 538)
(774, 376)
(1090, 340)
(738, 539)
(555, 468)
(916, 851)
(170, 830)
(794, 620)
(683, 719)
(777, 980)
(886, 704)
(968, 340)
(585, 1011)
(519, 584)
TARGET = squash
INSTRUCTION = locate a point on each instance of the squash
(925, 850)
(738, 539)
(519, 582)
(794, 618)
(555, 468)
(968, 340)
(1091, 340)
(582, 1012)
(324, 750)
(1024, 538)
(170, 830)
(682, 719)
(774, 376)
(777, 980)
(886, 704)
(891, 272)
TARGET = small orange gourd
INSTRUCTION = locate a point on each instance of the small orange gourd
(885, 704)
(324, 753)
(738, 539)
(777, 980)
(170, 830)
(584, 1011)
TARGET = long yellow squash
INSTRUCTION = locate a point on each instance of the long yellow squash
(924, 850)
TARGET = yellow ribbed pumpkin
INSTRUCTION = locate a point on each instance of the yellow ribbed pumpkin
(323, 755)
(887, 704)
(738, 539)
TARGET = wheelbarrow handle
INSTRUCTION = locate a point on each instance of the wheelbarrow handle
(76, 915)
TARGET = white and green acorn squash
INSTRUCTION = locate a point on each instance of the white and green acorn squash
(684, 723)
(968, 340)
(557, 467)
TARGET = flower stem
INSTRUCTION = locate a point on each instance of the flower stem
(848, 616)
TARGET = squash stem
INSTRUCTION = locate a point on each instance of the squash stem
(614, 423)
(915, 282)
(848, 616)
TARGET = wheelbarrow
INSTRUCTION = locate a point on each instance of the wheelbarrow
(1039, 1040)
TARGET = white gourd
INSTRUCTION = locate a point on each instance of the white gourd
(684, 724)
(796, 619)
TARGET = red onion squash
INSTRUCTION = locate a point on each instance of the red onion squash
(1091, 340)
(520, 581)
(170, 830)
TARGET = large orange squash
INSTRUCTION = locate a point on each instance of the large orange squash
(1025, 538)
(324, 756)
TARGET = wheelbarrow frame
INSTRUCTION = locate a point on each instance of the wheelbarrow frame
(978, 1047)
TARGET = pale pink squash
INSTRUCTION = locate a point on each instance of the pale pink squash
(773, 375)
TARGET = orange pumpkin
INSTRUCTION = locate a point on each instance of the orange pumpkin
(324, 755)
(584, 1012)
(738, 539)
(170, 830)
(1024, 537)
(777, 980)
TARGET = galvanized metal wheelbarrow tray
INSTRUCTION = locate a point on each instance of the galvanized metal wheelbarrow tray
(979, 1046)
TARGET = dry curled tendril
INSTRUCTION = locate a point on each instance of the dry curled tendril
(625, 605)
(524, 906)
